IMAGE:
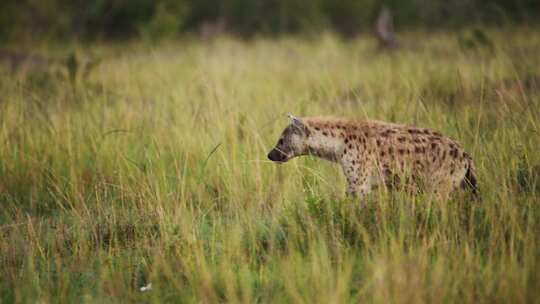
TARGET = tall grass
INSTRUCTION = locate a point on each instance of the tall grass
(154, 170)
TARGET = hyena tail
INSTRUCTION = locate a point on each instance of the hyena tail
(469, 181)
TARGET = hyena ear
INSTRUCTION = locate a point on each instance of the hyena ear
(298, 124)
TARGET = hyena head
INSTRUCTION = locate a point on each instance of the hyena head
(291, 143)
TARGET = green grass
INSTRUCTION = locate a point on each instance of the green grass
(153, 169)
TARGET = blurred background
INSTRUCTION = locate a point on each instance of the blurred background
(31, 20)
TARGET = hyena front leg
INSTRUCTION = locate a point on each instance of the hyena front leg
(359, 183)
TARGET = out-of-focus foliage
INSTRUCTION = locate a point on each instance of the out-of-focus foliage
(91, 19)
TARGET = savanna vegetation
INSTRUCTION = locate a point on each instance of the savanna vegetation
(147, 164)
(152, 19)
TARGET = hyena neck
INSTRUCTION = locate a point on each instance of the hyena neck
(325, 143)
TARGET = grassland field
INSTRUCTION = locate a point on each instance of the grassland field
(151, 168)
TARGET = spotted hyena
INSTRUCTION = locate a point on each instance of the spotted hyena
(374, 153)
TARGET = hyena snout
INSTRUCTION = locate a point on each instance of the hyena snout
(277, 155)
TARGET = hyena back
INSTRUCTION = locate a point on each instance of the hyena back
(374, 153)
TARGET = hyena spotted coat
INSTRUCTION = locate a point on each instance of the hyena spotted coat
(374, 153)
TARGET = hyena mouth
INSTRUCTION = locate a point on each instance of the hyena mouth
(277, 156)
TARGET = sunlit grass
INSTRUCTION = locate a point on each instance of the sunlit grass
(154, 170)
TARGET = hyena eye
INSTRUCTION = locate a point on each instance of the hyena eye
(280, 142)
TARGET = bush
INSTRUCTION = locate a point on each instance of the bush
(119, 18)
